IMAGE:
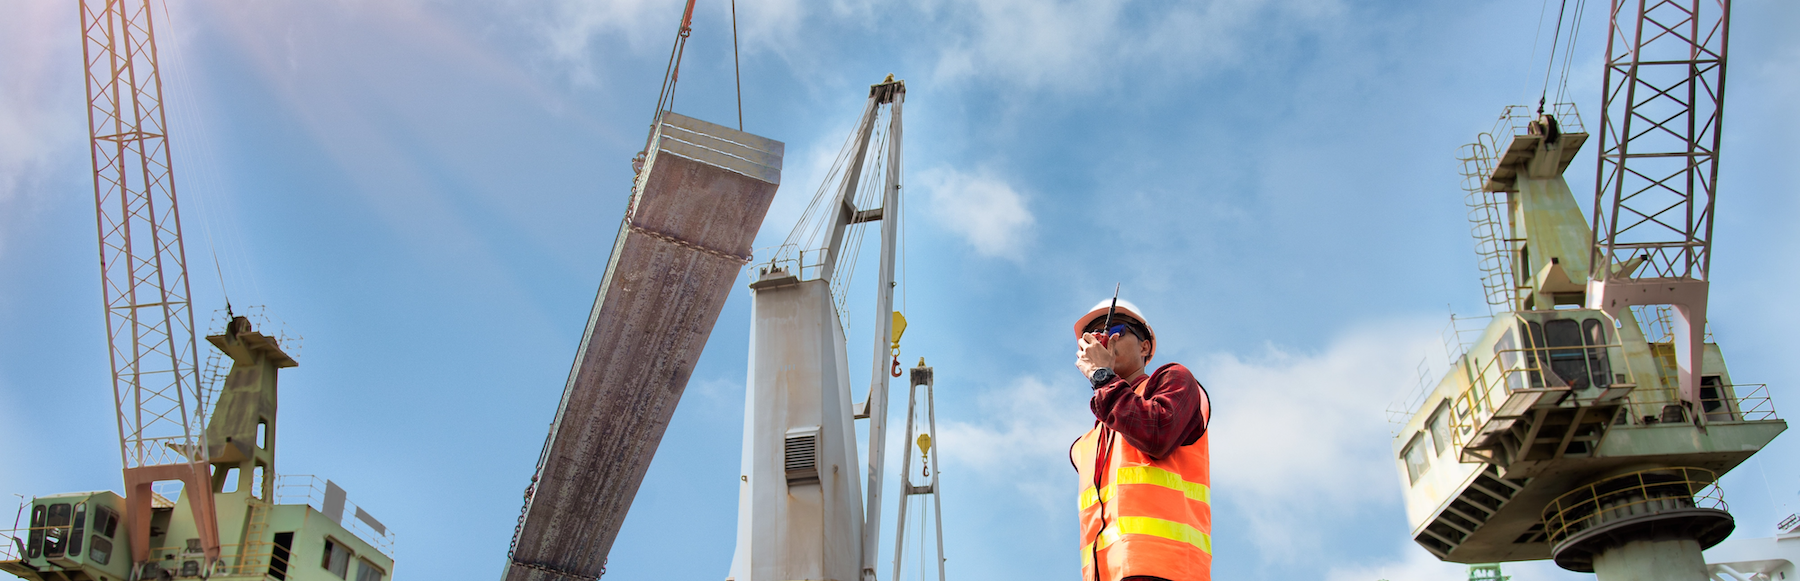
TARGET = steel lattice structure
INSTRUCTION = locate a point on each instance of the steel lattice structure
(1662, 98)
(143, 270)
(1662, 102)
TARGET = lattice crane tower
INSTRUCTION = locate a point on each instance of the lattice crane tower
(143, 269)
(1591, 421)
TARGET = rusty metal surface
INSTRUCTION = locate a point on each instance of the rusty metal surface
(700, 200)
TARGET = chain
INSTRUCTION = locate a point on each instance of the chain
(740, 258)
(520, 528)
(560, 572)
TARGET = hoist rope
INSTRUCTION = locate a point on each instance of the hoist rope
(200, 150)
(665, 97)
(737, 74)
(1551, 65)
(1569, 53)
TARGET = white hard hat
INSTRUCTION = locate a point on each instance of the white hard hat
(1125, 308)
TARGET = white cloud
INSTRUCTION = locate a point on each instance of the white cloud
(1061, 44)
(1414, 565)
(981, 208)
(1075, 43)
(1021, 440)
(1300, 439)
(570, 28)
(39, 104)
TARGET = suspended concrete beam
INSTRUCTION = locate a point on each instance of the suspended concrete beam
(699, 199)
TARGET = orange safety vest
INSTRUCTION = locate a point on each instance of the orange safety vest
(1148, 517)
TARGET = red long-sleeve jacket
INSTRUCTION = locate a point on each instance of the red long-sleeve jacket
(1157, 413)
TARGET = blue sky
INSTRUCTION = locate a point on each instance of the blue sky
(426, 191)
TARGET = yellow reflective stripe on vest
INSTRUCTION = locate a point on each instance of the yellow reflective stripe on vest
(1155, 527)
(1148, 475)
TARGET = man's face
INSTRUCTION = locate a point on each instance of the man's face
(1129, 352)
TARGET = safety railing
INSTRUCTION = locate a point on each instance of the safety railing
(1754, 406)
(1631, 495)
(12, 545)
(1511, 370)
(804, 264)
(1745, 402)
(310, 490)
(1517, 119)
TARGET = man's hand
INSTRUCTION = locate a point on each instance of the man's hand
(1091, 355)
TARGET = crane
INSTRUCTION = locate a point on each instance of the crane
(1589, 423)
(233, 526)
(802, 513)
(143, 269)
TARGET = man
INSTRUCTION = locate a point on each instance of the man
(1146, 510)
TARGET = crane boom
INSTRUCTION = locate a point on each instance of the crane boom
(143, 268)
(1662, 105)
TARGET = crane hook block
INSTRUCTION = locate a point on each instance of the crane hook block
(899, 328)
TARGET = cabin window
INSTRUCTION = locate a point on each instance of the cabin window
(1414, 455)
(80, 529)
(256, 482)
(337, 559)
(99, 549)
(1464, 411)
(366, 571)
(1712, 398)
(1573, 351)
(1599, 368)
(106, 521)
(279, 555)
(1532, 336)
(1510, 360)
(262, 435)
(1440, 428)
(35, 546)
(56, 532)
(229, 484)
(100, 545)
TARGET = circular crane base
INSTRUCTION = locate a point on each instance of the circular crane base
(1709, 526)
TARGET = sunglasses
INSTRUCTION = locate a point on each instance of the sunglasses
(1120, 329)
